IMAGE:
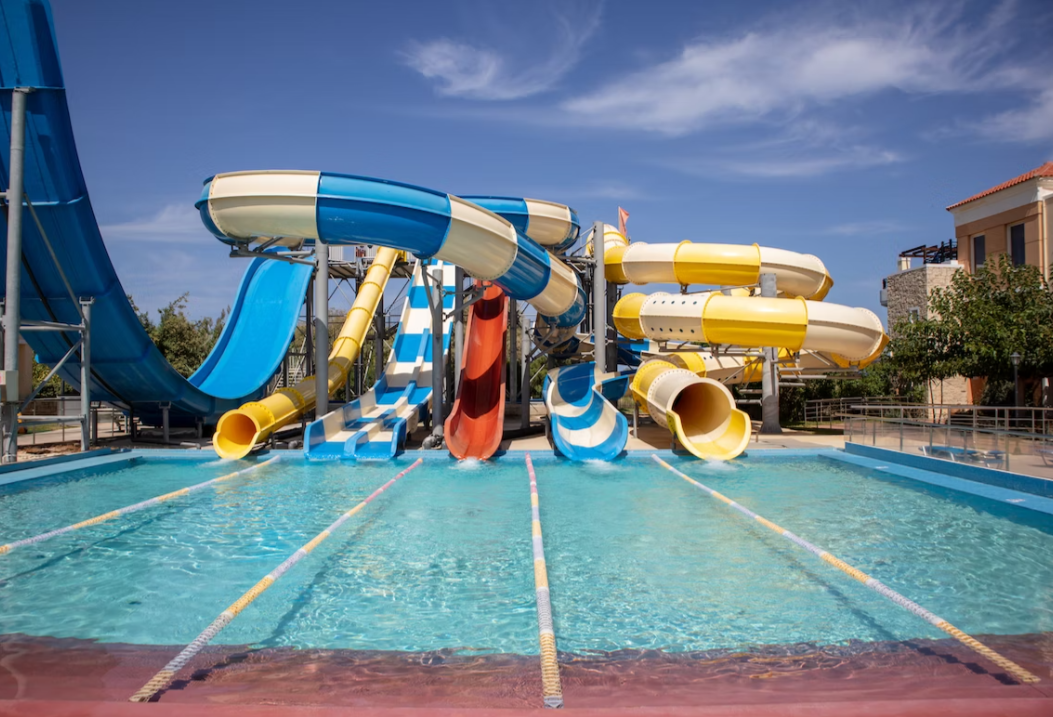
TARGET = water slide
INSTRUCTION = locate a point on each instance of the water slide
(239, 430)
(585, 422)
(375, 425)
(700, 411)
(126, 368)
(475, 425)
(686, 391)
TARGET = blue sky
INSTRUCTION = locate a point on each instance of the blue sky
(839, 129)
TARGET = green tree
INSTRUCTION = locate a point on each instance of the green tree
(185, 343)
(977, 323)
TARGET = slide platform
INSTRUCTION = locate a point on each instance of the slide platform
(475, 426)
(375, 425)
(127, 369)
(585, 423)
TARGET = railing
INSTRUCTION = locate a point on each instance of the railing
(1020, 452)
(830, 411)
(106, 421)
(1005, 418)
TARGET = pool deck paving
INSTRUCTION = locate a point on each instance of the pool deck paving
(52, 677)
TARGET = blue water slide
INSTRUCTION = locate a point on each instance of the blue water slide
(581, 403)
(127, 369)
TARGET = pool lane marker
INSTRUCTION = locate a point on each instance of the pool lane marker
(4, 549)
(163, 678)
(1018, 672)
(552, 688)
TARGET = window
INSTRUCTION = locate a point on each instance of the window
(914, 314)
(979, 251)
(1016, 244)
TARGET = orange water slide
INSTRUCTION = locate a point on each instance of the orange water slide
(475, 426)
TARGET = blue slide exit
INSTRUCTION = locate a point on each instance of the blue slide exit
(127, 369)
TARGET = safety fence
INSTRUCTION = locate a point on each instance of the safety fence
(1016, 671)
(4, 549)
(1020, 452)
(164, 678)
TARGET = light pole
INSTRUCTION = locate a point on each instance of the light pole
(1015, 358)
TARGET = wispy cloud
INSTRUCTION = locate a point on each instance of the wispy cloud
(161, 255)
(1033, 122)
(779, 72)
(871, 227)
(173, 222)
(482, 72)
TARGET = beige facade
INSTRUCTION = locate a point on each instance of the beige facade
(1023, 204)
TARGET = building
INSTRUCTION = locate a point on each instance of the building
(906, 296)
(1015, 218)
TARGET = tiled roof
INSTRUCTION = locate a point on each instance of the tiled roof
(1046, 170)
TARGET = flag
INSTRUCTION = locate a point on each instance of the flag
(623, 216)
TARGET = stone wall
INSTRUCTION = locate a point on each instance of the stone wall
(910, 289)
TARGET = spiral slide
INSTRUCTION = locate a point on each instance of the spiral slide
(586, 424)
(475, 425)
(126, 367)
(375, 425)
(681, 390)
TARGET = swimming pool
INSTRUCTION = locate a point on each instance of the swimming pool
(637, 558)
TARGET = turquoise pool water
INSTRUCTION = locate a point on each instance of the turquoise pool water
(638, 558)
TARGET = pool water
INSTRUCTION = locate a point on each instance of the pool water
(638, 558)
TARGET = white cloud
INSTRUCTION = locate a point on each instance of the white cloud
(1031, 123)
(174, 222)
(782, 159)
(776, 73)
(473, 71)
(160, 256)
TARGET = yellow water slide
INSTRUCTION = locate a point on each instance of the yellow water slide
(699, 410)
(239, 430)
(686, 263)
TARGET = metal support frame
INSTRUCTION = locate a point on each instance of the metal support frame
(321, 329)
(770, 376)
(435, 294)
(524, 356)
(458, 329)
(599, 300)
(85, 375)
(380, 328)
(13, 307)
(513, 354)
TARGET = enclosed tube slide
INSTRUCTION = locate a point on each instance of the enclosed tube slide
(242, 207)
(687, 263)
(851, 336)
(700, 411)
(475, 425)
(239, 430)
(126, 368)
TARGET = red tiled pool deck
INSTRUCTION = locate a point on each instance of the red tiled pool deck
(62, 678)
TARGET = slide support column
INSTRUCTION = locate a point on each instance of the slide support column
(436, 357)
(599, 301)
(524, 353)
(13, 308)
(458, 328)
(85, 377)
(770, 377)
(321, 329)
(513, 356)
(378, 345)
